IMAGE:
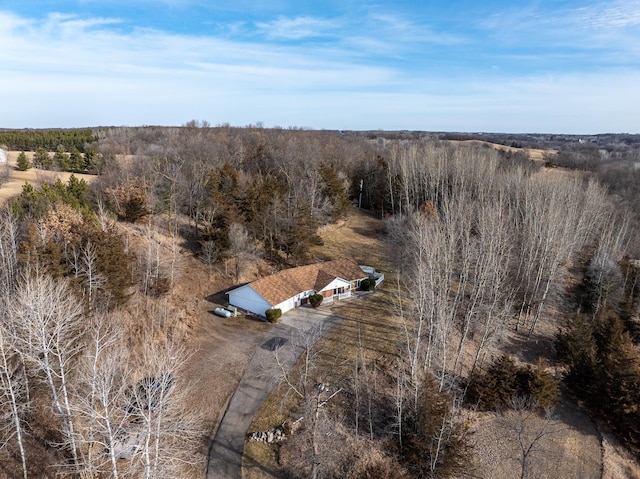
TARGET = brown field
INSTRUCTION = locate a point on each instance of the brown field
(16, 178)
(534, 153)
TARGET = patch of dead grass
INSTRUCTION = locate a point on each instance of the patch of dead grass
(572, 450)
(13, 186)
(360, 236)
(618, 463)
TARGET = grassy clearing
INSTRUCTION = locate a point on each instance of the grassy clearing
(16, 179)
(360, 236)
(570, 449)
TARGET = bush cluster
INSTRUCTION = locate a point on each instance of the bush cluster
(273, 314)
(316, 300)
(604, 371)
(503, 381)
(368, 284)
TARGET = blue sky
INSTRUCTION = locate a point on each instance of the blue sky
(495, 66)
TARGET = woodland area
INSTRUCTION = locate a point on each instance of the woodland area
(486, 242)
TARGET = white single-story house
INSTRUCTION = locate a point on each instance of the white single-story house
(290, 288)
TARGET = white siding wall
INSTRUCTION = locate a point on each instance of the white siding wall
(287, 305)
(246, 298)
(337, 283)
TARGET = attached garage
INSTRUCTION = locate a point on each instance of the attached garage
(247, 298)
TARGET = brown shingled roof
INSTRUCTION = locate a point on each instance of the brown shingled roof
(287, 283)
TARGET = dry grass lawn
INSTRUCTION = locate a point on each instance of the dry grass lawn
(360, 236)
(16, 178)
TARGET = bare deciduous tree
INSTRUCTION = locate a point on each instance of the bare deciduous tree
(47, 320)
(168, 432)
(14, 390)
(102, 375)
(529, 431)
(242, 247)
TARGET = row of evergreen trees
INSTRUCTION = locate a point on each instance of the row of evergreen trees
(30, 140)
(74, 160)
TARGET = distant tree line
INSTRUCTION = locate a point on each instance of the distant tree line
(616, 165)
(29, 140)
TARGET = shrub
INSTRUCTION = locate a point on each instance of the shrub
(368, 284)
(129, 201)
(434, 445)
(273, 314)
(316, 300)
(504, 380)
(495, 387)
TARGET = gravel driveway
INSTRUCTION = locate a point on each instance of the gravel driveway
(225, 454)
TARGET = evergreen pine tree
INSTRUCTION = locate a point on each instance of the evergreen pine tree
(433, 444)
(76, 160)
(542, 387)
(23, 162)
(41, 158)
(621, 383)
(62, 159)
(335, 190)
(576, 346)
(496, 387)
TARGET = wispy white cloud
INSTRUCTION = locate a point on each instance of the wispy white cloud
(297, 28)
(69, 70)
(608, 15)
(71, 46)
(399, 28)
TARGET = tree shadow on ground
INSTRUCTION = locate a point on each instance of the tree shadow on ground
(529, 348)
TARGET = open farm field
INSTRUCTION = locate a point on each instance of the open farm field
(535, 154)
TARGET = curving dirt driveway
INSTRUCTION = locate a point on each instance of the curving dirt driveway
(225, 453)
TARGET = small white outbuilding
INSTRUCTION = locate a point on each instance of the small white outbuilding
(3, 156)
